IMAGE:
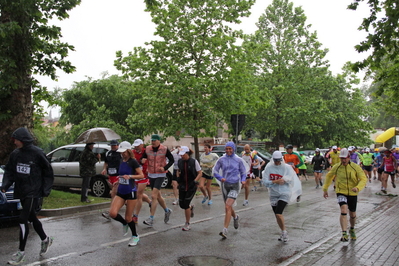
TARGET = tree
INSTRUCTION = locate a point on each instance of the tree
(290, 73)
(194, 76)
(28, 46)
(99, 103)
(382, 42)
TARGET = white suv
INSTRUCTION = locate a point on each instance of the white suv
(65, 163)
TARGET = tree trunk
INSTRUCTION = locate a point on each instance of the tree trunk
(196, 147)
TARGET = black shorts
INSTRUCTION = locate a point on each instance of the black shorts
(185, 198)
(302, 172)
(174, 176)
(156, 182)
(130, 196)
(279, 208)
(207, 176)
(351, 201)
(367, 168)
(255, 171)
(390, 173)
(230, 190)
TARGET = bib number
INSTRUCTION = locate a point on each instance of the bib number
(23, 168)
(112, 171)
(232, 194)
(123, 181)
(342, 198)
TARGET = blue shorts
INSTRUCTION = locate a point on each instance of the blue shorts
(318, 171)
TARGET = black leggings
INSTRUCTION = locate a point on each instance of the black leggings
(28, 213)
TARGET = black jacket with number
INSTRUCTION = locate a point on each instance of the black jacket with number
(28, 168)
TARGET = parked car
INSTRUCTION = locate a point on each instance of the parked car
(65, 163)
(9, 207)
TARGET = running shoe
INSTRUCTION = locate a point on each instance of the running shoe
(393, 185)
(210, 202)
(204, 199)
(246, 203)
(344, 237)
(135, 219)
(17, 258)
(125, 229)
(298, 199)
(223, 234)
(134, 240)
(383, 190)
(149, 204)
(167, 215)
(369, 180)
(45, 245)
(106, 215)
(283, 237)
(235, 220)
(317, 186)
(186, 227)
(148, 222)
(175, 202)
(352, 234)
(254, 188)
(192, 211)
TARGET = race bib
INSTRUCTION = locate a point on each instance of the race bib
(342, 198)
(123, 181)
(232, 194)
(112, 171)
(23, 168)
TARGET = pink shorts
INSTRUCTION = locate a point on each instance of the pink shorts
(113, 179)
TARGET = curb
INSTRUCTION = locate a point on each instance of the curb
(74, 210)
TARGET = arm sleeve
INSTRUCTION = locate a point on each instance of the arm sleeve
(171, 160)
(216, 170)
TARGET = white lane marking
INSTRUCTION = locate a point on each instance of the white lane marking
(52, 259)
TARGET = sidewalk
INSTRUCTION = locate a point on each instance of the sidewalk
(377, 242)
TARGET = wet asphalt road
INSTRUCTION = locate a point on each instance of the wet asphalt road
(89, 239)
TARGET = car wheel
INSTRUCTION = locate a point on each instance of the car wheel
(100, 187)
(167, 181)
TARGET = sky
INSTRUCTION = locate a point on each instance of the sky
(99, 28)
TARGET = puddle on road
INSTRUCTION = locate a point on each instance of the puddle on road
(204, 260)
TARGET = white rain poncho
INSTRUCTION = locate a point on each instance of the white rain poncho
(287, 192)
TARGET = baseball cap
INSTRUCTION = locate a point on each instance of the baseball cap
(317, 150)
(137, 142)
(184, 150)
(277, 156)
(350, 148)
(334, 147)
(344, 153)
(155, 137)
(367, 150)
(123, 146)
(113, 142)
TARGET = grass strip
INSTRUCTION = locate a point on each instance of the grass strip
(61, 199)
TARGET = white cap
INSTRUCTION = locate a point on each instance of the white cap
(344, 153)
(277, 156)
(317, 150)
(350, 148)
(137, 142)
(123, 146)
(367, 149)
(184, 150)
(334, 147)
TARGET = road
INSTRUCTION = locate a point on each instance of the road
(89, 239)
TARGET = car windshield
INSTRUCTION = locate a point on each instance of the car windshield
(263, 152)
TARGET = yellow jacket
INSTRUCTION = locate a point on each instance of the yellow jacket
(346, 178)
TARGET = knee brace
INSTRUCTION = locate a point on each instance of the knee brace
(344, 214)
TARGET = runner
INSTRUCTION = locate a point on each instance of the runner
(279, 178)
(176, 157)
(251, 159)
(318, 162)
(138, 151)
(294, 160)
(207, 162)
(389, 165)
(368, 159)
(350, 180)
(375, 166)
(188, 175)
(129, 169)
(231, 172)
(302, 169)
